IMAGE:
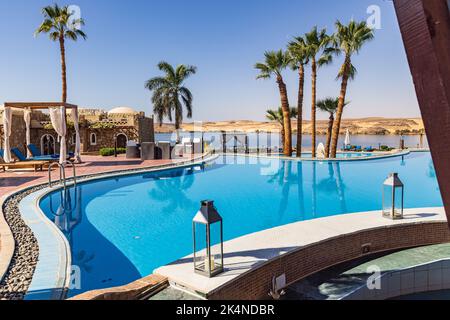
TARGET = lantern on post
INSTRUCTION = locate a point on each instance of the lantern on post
(393, 193)
(208, 240)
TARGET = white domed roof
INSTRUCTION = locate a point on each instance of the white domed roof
(122, 110)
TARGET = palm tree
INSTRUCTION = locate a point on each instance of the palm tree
(168, 90)
(317, 48)
(58, 23)
(275, 63)
(277, 115)
(348, 40)
(299, 56)
(329, 105)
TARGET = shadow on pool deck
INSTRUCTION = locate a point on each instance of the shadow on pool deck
(260, 255)
(16, 181)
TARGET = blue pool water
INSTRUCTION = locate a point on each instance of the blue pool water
(344, 155)
(121, 229)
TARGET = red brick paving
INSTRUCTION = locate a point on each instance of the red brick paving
(11, 181)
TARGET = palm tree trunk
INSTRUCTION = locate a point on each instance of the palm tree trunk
(329, 132)
(282, 133)
(313, 106)
(63, 69)
(301, 74)
(287, 150)
(340, 109)
(178, 119)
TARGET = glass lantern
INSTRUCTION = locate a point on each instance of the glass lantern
(393, 193)
(208, 240)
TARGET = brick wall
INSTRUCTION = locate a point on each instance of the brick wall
(303, 262)
(140, 131)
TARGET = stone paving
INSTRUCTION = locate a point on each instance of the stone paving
(13, 180)
(24, 250)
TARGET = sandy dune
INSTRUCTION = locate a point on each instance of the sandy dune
(373, 126)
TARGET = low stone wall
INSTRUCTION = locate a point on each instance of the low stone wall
(298, 264)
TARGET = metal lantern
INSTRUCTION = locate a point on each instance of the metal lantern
(393, 193)
(208, 240)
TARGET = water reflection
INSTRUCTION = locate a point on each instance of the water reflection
(170, 182)
(301, 195)
(67, 217)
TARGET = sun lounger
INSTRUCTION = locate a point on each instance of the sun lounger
(21, 157)
(36, 165)
(35, 152)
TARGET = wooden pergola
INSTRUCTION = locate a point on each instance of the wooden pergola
(45, 106)
(39, 105)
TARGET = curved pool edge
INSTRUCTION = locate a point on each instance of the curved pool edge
(189, 163)
(303, 248)
(53, 284)
(51, 276)
(381, 155)
(7, 242)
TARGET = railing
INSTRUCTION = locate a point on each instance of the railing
(62, 173)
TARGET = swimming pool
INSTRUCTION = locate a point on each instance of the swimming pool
(345, 155)
(121, 229)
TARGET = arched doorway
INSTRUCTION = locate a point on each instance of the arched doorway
(121, 140)
(48, 144)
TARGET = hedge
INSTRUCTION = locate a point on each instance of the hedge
(105, 152)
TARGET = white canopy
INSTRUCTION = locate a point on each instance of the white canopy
(77, 135)
(320, 151)
(27, 119)
(347, 138)
(7, 123)
(58, 119)
(57, 112)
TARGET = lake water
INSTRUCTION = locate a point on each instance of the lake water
(374, 141)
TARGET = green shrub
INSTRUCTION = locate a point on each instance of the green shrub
(106, 152)
(386, 148)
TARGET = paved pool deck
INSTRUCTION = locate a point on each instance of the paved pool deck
(13, 181)
(250, 252)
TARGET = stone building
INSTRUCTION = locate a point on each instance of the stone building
(98, 129)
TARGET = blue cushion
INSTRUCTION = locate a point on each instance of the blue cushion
(2, 152)
(34, 150)
(18, 154)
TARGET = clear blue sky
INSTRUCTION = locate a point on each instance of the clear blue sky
(223, 38)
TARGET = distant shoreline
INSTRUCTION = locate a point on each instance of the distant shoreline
(363, 126)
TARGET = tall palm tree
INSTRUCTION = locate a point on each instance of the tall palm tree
(168, 90)
(317, 46)
(348, 40)
(277, 115)
(299, 56)
(275, 63)
(60, 25)
(329, 105)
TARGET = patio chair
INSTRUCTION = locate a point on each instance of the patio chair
(197, 142)
(358, 148)
(347, 148)
(36, 165)
(369, 149)
(188, 147)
